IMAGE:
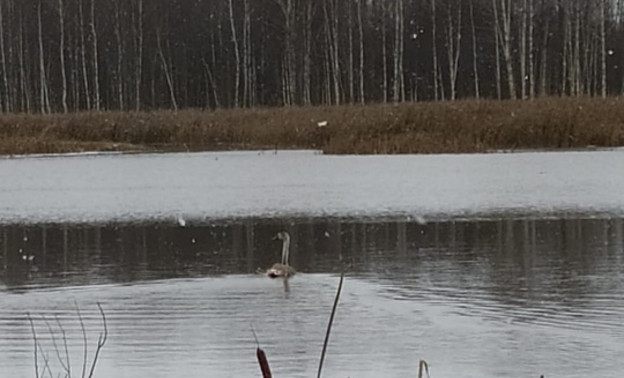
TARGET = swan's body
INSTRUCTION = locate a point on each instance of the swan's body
(282, 269)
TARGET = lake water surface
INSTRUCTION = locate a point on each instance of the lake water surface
(533, 288)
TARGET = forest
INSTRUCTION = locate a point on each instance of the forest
(60, 56)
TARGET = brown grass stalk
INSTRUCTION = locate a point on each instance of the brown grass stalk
(427, 127)
(329, 325)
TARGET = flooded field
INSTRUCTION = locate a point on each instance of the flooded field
(497, 265)
(474, 298)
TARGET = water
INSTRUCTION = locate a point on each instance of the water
(205, 186)
(481, 298)
(490, 265)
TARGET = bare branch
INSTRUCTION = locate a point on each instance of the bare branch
(68, 363)
(56, 349)
(34, 335)
(46, 361)
(101, 341)
(84, 340)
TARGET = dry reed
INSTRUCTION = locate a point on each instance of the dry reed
(433, 127)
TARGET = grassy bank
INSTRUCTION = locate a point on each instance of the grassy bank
(462, 126)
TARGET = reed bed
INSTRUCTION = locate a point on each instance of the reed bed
(431, 127)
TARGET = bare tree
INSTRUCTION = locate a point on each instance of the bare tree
(23, 83)
(62, 55)
(307, 52)
(247, 56)
(384, 54)
(244, 53)
(361, 50)
(504, 35)
(120, 42)
(435, 50)
(475, 66)
(453, 40)
(43, 81)
(213, 85)
(531, 20)
(166, 71)
(398, 93)
(544, 58)
(236, 56)
(330, 9)
(288, 9)
(83, 55)
(497, 51)
(523, 50)
(603, 50)
(5, 79)
(350, 73)
(96, 70)
(138, 59)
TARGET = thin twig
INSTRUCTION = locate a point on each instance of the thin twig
(46, 361)
(253, 331)
(84, 340)
(56, 349)
(329, 325)
(34, 335)
(64, 345)
(101, 341)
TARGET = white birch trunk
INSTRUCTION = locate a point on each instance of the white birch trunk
(603, 51)
(62, 56)
(236, 56)
(361, 50)
(96, 71)
(475, 63)
(5, 79)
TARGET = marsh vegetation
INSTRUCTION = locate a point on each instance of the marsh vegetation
(434, 127)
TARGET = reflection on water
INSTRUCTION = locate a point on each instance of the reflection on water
(484, 298)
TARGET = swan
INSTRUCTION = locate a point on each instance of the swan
(282, 269)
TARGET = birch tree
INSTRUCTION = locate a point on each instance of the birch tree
(453, 40)
(307, 52)
(434, 38)
(475, 65)
(44, 99)
(504, 31)
(94, 62)
(398, 93)
(120, 51)
(138, 58)
(62, 55)
(235, 101)
(361, 51)
(603, 50)
(288, 8)
(5, 79)
(166, 71)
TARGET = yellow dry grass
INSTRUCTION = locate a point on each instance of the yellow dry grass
(432, 127)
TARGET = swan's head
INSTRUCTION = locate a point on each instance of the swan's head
(282, 235)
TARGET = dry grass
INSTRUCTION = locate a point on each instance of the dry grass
(462, 126)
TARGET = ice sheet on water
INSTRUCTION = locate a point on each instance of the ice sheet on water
(199, 186)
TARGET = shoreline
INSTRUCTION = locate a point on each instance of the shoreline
(465, 126)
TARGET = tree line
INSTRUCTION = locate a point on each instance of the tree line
(74, 55)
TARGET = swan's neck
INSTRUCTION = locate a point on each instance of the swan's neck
(285, 248)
